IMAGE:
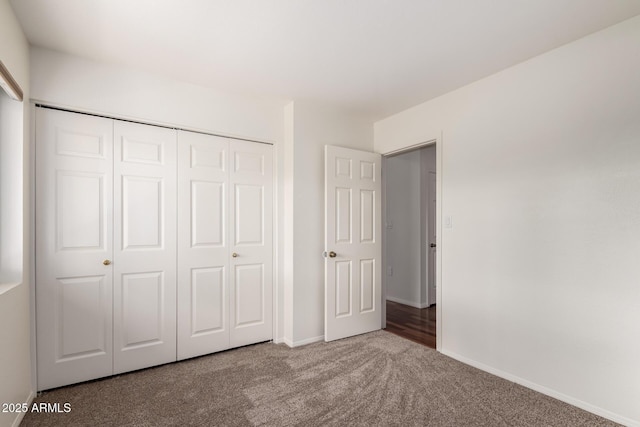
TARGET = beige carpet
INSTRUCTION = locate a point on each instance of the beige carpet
(373, 379)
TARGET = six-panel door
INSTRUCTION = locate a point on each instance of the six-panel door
(203, 248)
(144, 266)
(352, 242)
(251, 242)
(74, 176)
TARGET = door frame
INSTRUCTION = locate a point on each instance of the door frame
(385, 157)
(428, 240)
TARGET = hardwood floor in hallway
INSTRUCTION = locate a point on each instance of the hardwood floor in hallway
(415, 324)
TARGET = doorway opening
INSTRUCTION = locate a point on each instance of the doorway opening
(409, 244)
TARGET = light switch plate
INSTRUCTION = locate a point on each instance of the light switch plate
(448, 221)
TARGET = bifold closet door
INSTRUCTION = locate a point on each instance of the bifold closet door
(74, 178)
(144, 264)
(203, 249)
(225, 243)
(251, 242)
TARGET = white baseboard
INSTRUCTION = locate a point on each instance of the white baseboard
(545, 390)
(300, 343)
(20, 415)
(405, 302)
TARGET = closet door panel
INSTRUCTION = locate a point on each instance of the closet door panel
(142, 212)
(203, 265)
(251, 261)
(144, 246)
(74, 157)
(249, 295)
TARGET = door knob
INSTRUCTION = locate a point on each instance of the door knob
(106, 262)
(332, 254)
(433, 245)
(235, 255)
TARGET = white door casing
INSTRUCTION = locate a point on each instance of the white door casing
(144, 261)
(431, 208)
(352, 242)
(74, 184)
(203, 249)
(250, 242)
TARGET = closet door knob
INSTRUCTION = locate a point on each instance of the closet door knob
(106, 262)
(235, 255)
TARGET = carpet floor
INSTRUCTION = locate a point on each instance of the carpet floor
(376, 379)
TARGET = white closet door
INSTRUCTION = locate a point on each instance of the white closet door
(144, 246)
(203, 250)
(251, 242)
(74, 157)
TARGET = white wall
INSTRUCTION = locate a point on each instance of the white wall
(541, 177)
(15, 353)
(288, 222)
(313, 127)
(76, 83)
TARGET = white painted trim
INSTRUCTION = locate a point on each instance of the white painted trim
(544, 390)
(275, 240)
(410, 148)
(286, 234)
(32, 244)
(406, 302)
(20, 415)
(439, 246)
(383, 240)
(300, 343)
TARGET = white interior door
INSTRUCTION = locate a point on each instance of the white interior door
(144, 261)
(74, 158)
(203, 249)
(251, 242)
(352, 242)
